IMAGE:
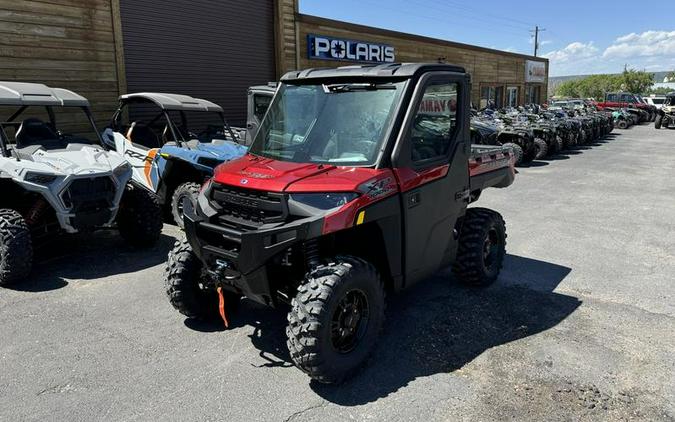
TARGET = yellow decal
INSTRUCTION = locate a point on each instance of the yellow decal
(360, 218)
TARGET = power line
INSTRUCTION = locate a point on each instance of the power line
(467, 13)
(483, 13)
(436, 18)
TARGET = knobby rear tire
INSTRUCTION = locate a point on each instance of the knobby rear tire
(16, 247)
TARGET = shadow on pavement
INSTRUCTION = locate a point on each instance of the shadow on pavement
(88, 257)
(532, 164)
(437, 326)
(560, 156)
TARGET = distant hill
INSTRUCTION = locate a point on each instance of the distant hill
(554, 81)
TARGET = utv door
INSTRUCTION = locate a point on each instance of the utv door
(431, 162)
(258, 103)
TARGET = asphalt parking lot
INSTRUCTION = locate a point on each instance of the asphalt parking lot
(580, 326)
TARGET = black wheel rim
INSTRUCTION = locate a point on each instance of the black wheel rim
(350, 321)
(491, 248)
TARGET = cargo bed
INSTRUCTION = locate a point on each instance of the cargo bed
(490, 166)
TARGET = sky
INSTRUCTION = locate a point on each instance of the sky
(580, 37)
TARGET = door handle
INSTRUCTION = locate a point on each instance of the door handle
(414, 199)
(463, 195)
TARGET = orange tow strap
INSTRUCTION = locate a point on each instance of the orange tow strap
(221, 307)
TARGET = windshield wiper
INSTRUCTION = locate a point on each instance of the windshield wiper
(349, 87)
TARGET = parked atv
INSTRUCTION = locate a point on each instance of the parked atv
(53, 181)
(622, 119)
(547, 139)
(173, 142)
(666, 115)
(572, 128)
(360, 190)
(519, 139)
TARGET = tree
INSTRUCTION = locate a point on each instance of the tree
(595, 86)
(637, 81)
(670, 77)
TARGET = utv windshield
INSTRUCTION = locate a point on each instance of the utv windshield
(205, 126)
(149, 126)
(341, 124)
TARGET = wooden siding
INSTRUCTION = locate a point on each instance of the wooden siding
(62, 43)
(486, 66)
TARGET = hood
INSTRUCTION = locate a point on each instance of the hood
(217, 150)
(74, 160)
(253, 172)
(226, 150)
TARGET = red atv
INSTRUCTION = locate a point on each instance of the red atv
(356, 184)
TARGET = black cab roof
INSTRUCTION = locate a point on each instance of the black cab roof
(389, 70)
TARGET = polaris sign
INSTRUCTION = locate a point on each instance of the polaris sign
(328, 48)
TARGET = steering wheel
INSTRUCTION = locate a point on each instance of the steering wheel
(364, 146)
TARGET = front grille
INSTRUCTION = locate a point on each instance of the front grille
(89, 194)
(248, 208)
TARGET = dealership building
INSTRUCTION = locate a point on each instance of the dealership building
(216, 49)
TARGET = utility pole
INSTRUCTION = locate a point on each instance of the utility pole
(536, 31)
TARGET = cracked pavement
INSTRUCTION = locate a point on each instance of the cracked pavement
(579, 327)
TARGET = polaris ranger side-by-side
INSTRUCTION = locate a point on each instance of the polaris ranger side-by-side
(53, 181)
(356, 184)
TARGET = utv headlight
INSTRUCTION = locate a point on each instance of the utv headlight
(324, 201)
(39, 178)
(122, 169)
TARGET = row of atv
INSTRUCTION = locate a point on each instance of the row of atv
(533, 132)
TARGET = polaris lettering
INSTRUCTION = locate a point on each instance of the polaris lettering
(328, 48)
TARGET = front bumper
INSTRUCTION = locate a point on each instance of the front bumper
(92, 219)
(237, 260)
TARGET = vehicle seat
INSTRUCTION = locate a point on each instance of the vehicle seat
(141, 135)
(34, 131)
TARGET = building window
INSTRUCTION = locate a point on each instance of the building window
(532, 94)
(492, 96)
(512, 96)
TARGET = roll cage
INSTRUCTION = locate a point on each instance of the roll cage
(25, 95)
(167, 103)
(12, 122)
